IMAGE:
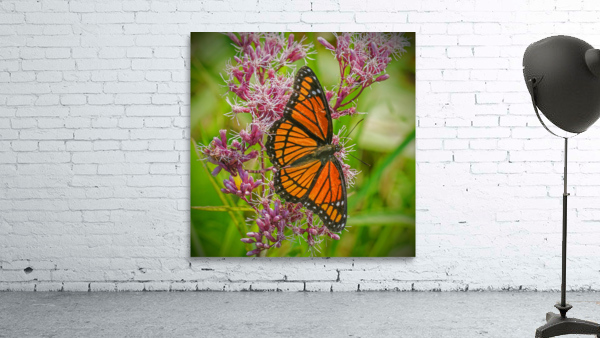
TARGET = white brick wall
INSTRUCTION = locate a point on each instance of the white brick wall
(94, 148)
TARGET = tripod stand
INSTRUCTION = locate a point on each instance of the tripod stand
(558, 325)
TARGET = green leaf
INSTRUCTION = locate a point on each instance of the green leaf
(229, 240)
(377, 172)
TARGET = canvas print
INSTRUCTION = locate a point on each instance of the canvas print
(302, 144)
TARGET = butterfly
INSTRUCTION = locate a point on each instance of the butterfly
(300, 147)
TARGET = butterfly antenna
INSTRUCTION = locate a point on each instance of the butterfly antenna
(361, 161)
(357, 123)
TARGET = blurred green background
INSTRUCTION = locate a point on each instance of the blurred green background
(381, 204)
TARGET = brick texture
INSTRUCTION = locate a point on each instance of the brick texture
(94, 152)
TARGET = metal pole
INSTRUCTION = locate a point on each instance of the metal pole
(564, 243)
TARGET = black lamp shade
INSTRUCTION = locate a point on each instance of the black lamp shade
(566, 76)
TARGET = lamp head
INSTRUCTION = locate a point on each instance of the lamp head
(565, 73)
(592, 60)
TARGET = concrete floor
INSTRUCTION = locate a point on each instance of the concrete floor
(277, 314)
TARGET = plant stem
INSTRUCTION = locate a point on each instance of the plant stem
(260, 171)
(250, 204)
(342, 77)
(262, 168)
(354, 98)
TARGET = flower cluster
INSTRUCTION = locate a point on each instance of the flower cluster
(227, 157)
(272, 222)
(349, 173)
(253, 136)
(255, 77)
(362, 60)
(241, 185)
(262, 90)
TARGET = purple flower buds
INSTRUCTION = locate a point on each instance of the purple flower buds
(253, 252)
(234, 38)
(254, 234)
(329, 94)
(227, 158)
(325, 43)
(270, 236)
(382, 77)
(363, 57)
(253, 136)
(241, 185)
(223, 134)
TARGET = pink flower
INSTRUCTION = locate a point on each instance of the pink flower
(349, 173)
(228, 158)
(254, 136)
(363, 57)
(254, 77)
(325, 43)
(350, 112)
(383, 77)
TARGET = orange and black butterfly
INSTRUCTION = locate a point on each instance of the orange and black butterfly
(300, 147)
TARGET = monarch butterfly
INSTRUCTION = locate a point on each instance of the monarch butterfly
(300, 147)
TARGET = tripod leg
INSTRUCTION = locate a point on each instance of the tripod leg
(558, 326)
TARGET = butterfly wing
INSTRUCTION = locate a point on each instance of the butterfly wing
(308, 106)
(327, 196)
(306, 122)
(288, 143)
(293, 183)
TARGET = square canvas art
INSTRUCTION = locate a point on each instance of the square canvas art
(302, 144)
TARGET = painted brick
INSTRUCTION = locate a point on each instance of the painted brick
(318, 286)
(102, 286)
(157, 286)
(49, 286)
(94, 112)
(76, 286)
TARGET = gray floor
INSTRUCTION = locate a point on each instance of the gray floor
(277, 314)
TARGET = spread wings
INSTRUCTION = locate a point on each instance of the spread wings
(303, 175)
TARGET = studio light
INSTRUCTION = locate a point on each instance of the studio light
(562, 74)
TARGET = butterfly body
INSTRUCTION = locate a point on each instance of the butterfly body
(322, 153)
(300, 146)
